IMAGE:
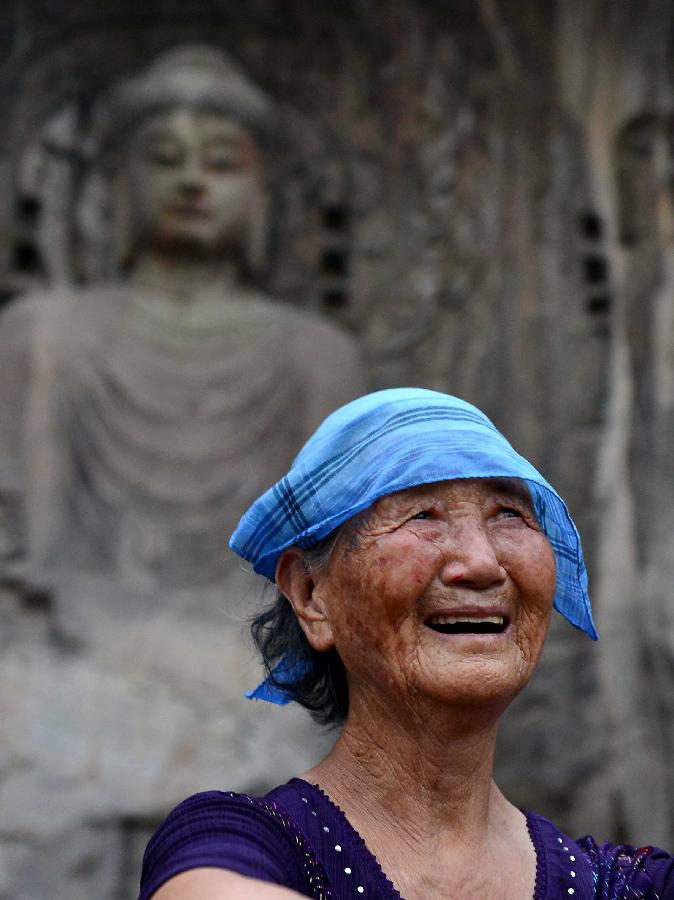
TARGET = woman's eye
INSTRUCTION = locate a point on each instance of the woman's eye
(511, 513)
(422, 514)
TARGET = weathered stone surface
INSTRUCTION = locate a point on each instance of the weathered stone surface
(621, 94)
(481, 192)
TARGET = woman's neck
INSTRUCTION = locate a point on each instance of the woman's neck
(426, 773)
(419, 790)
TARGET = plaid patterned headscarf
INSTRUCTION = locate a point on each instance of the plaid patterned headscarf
(388, 441)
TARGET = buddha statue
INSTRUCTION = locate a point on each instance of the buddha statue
(138, 418)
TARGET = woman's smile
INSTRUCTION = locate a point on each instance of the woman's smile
(458, 623)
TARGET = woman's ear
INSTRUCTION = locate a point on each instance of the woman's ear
(297, 583)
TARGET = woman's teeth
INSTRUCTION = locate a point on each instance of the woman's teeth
(454, 620)
(467, 624)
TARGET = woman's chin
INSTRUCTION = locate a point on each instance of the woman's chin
(476, 680)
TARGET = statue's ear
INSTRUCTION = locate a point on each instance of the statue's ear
(122, 220)
(300, 586)
(256, 240)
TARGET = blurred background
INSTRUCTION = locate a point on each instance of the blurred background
(218, 221)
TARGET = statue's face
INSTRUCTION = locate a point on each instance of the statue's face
(192, 178)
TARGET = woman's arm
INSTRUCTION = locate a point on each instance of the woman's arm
(224, 846)
(218, 884)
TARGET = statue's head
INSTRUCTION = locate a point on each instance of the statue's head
(185, 142)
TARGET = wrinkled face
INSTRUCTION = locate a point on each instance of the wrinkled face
(444, 591)
(191, 178)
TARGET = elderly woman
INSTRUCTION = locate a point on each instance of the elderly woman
(417, 558)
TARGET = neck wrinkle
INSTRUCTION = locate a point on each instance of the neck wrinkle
(430, 775)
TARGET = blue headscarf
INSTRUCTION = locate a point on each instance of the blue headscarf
(385, 442)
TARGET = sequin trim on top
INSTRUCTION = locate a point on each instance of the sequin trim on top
(380, 886)
(621, 871)
(317, 879)
(541, 883)
(571, 871)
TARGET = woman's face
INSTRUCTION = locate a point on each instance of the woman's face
(443, 591)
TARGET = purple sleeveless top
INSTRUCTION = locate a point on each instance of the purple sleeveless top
(296, 837)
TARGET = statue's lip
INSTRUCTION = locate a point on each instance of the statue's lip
(190, 209)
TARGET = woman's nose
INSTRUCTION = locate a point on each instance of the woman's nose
(471, 559)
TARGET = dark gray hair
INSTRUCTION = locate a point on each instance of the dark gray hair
(277, 634)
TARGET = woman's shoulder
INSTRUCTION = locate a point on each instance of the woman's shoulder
(351, 869)
(624, 870)
(586, 868)
(248, 835)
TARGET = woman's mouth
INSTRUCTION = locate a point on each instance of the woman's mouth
(467, 624)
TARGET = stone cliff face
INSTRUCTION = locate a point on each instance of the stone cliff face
(622, 94)
(480, 193)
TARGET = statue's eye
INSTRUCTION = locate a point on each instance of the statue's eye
(222, 157)
(164, 154)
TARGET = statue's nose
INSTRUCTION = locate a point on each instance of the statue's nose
(191, 176)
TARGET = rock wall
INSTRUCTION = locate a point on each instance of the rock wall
(621, 91)
(479, 193)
